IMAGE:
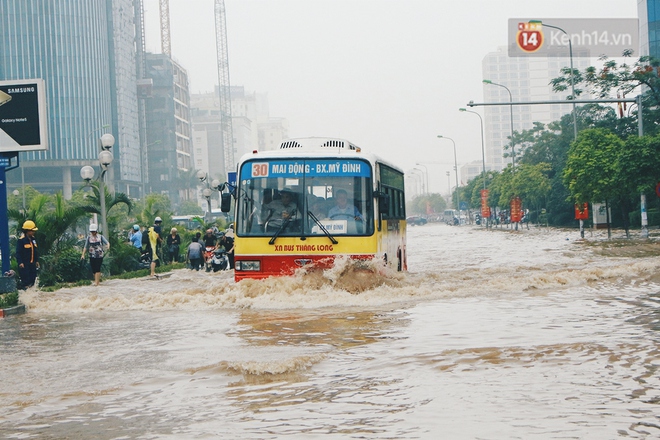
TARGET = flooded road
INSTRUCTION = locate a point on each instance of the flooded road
(491, 335)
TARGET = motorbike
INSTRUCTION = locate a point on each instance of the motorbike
(219, 260)
(144, 262)
(208, 254)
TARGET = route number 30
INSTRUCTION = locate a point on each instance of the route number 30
(259, 170)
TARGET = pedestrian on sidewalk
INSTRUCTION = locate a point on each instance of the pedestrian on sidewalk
(154, 241)
(27, 255)
(96, 244)
(173, 243)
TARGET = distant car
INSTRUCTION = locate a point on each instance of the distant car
(416, 220)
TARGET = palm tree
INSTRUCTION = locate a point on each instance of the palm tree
(111, 200)
(53, 222)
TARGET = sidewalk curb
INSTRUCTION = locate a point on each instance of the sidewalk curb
(16, 310)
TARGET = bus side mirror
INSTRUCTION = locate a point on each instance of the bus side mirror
(225, 202)
(383, 203)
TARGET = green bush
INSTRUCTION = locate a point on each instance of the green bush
(64, 266)
(8, 300)
(122, 258)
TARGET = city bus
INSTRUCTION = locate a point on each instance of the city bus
(312, 200)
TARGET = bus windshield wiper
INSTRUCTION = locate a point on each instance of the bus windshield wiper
(277, 233)
(325, 231)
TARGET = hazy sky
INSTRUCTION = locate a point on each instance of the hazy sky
(388, 75)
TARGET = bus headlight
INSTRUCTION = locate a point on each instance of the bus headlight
(249, 265)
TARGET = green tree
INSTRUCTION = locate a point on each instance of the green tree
(473, 189)
(615, 79)
(591, 168)
(204, 225)
(112, 201)
(156, 205)
(16, 201)
(638, 171)
(550, 144)
(639, 164)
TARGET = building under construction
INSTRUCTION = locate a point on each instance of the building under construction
(168, 129)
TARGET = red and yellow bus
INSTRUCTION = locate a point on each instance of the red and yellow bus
(312, 200)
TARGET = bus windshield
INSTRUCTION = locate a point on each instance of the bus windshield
(305, 197)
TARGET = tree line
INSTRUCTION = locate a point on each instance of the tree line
(609, 162)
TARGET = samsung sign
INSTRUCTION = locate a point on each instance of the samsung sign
(23, 119)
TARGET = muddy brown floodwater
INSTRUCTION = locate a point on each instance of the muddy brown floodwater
(490, 335)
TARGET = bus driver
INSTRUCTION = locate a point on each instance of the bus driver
(343, 210)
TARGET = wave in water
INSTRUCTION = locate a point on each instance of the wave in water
(346, 284)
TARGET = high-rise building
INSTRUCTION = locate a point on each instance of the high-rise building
(169, 130)
(125, 117)
(649, 27)
(85, 52)
(528, 79)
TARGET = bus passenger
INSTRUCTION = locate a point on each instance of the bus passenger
(317, 207)
(277, 212)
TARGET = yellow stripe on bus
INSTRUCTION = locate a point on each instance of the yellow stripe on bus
(310, 246)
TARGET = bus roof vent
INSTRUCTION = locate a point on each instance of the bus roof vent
(339, 144)
(318, 144)
(290, 144)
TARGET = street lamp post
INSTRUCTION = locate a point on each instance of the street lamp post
(426, 175)
(87, 173)
(423, 180)
(214, 185)
(415, 182)
(513, 149)
(419, 188)
(483, 149)
(458, 197)
(449, 186)
(570, 55)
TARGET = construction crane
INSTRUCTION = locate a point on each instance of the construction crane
(222, 55)
(224, 85)
(165, 41)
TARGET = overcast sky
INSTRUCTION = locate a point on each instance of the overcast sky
(388, 75)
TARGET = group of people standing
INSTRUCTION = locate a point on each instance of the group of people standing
(96, 245)
(197, 252)
(154, 242)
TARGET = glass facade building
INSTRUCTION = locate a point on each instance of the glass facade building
(85, 52)
(649, 27)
